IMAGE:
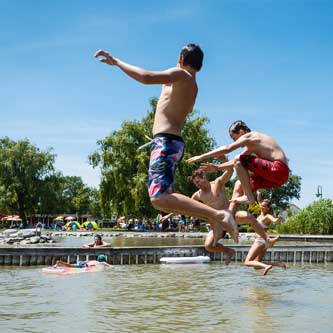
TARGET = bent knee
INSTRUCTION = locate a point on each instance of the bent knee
(157, 202)
(237, 163)
(247, 263)
(209, 248)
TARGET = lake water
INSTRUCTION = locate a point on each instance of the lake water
(168, 298)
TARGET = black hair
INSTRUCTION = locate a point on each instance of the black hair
(238, 125)
(98, 236)
(268, 202)
(192, 56)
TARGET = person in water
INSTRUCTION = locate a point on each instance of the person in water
(98, 242)
(100, 262)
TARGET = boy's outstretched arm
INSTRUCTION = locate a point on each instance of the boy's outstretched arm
(141, 75)
(240, 142)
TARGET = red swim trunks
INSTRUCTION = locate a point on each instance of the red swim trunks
(265, 174)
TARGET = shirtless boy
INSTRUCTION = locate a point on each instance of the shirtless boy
(262, 156)
(179, 91)
(214, 195)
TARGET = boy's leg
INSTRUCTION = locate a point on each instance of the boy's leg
(218, 247)
(254, 252)
(243, 217)
(167, 151)
(244, 177)
(237, 192)
(181, 204)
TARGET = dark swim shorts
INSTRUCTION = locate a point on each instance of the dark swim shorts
(265, 174)
(166, 151)
(80, 264)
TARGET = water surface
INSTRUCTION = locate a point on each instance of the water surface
(166, 298)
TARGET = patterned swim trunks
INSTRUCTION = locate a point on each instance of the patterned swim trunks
(265, 174)
(166, 151)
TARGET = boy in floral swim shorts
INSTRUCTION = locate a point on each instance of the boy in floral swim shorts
(179, 91)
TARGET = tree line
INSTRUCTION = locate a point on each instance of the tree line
(29, 182)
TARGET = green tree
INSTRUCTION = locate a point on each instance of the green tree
(23, 170)
(316, 218)
(124, 169)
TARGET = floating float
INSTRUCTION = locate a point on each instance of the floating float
(71, 270)
(185, 260)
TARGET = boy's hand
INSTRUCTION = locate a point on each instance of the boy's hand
(194, 159)
(208, 167)
(108, 58)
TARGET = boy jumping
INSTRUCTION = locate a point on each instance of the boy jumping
(262, 156)
(179, 91)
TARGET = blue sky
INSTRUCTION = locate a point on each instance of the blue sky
(268, 63)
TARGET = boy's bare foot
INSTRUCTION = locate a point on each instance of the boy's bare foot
(272, 240)
(228, 254)
(266, 270)
(281, 264)
(243, 199)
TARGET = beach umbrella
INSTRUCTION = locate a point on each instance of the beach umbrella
(73, 225)
(12, 218)
(90, 225)
(70, 218)
(59, 218)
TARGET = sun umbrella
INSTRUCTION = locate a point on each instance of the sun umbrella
(12, 218)
(59, 218)
(73, 225)
(70, 218)
(90, 225)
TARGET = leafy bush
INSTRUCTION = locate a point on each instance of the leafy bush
(316, 218)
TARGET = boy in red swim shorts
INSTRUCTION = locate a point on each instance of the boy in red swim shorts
(262, 156)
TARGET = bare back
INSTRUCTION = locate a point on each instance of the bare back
(264, 147)
(175, 103)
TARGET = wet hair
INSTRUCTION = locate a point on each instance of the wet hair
(198, 173)
(268, 202)
(238, 125)
(98, 236)
(192, 56)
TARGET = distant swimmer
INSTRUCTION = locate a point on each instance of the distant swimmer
(98, 242)
(178, 95)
